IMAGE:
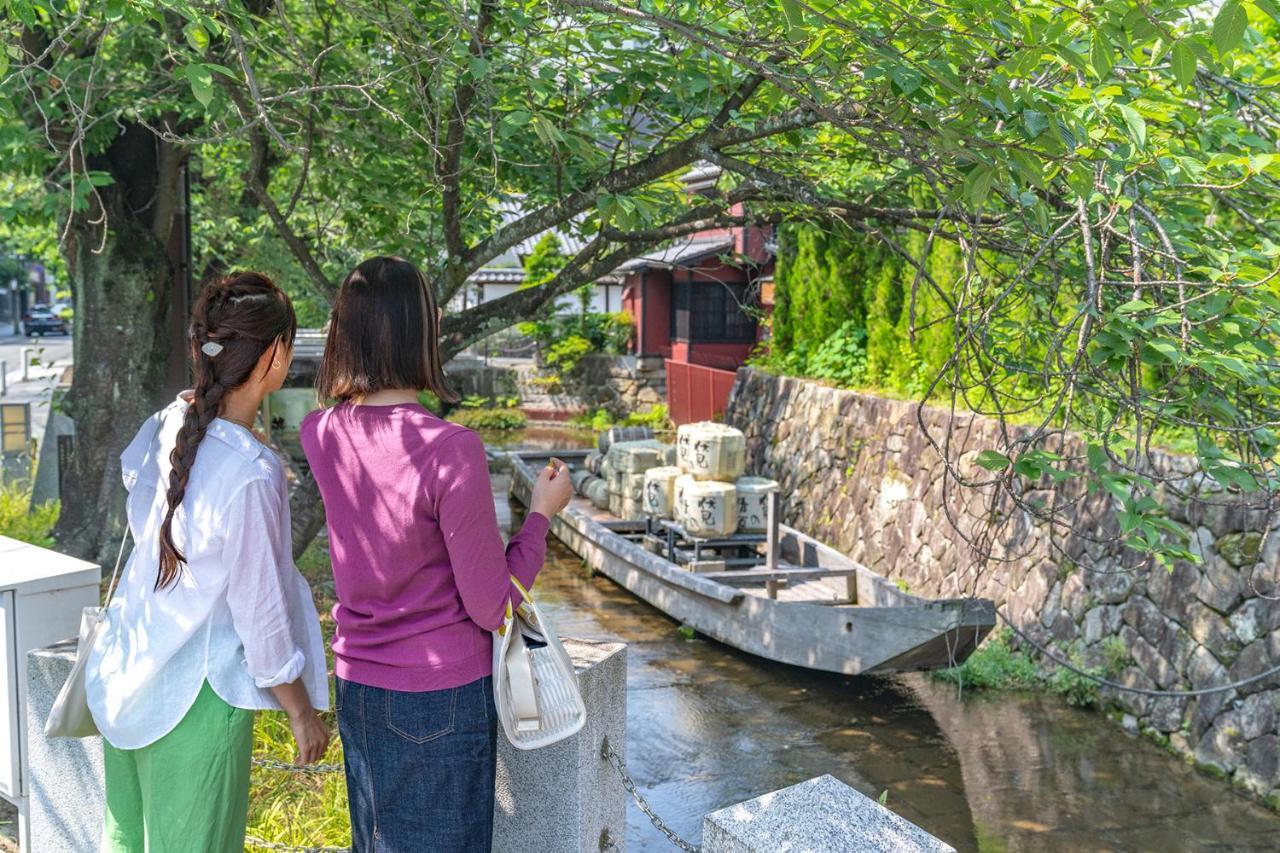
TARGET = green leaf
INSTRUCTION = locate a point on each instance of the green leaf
(977, 186)
(201, 79)
(1269, 7)
(992, 460)
(1229, 27)
(1183, 61)
(1136, 123)
(793, 13)
(1035, 122)
(1100, 56)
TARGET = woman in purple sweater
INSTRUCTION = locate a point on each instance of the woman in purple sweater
(420, 570)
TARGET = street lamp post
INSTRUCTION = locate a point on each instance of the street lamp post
(13, 305)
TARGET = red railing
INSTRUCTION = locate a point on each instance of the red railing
(696, 393)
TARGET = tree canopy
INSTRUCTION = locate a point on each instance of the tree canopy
(1105, 169)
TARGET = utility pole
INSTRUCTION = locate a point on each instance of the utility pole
(14, 307)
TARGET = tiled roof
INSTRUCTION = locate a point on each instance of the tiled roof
(680, 254)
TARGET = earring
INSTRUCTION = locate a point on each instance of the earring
(275, 365)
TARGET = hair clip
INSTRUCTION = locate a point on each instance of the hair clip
(211, 349)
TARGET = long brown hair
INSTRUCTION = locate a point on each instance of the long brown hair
(384, 333)
(244, 313)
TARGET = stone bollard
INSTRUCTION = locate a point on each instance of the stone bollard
(66, 773)
(559, 799)
(822, 815)
(566, 798)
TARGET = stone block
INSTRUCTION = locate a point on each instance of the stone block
(1144, 617)
(1166, 713)
(563, 798)
(822, 815)
(1262, 764)
(1111, 586)
(1258, 714)
(1240, 549)
(1221, 586)
(1101, 622)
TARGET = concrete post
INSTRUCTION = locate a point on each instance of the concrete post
(560, 799)
(822, 815)
(566, 798)
(65, 789)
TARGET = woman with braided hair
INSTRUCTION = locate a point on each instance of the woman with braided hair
(211, 619)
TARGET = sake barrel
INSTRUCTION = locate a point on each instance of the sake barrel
(706, 507)
(632, 507)
(615, 503)
(634, 456)
(711, 451)
(753, 503)
(633, 486)
(617, 481)
(579, 479)
(593, 460)
(616, 434)
(660, 491)
(597, 491)
(669, 454)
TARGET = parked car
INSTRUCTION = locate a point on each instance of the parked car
(39, 320)
(62, 309)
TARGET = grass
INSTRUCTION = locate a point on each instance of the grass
(304, 809)
(998, 665)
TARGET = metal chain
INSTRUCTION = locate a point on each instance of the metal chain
(277, 764)
(608, 753)
(252, 841)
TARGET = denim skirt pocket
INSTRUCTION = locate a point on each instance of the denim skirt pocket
(420, 717)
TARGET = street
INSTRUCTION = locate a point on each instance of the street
(49, 358)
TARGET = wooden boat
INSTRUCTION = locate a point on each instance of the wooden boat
(801, 603)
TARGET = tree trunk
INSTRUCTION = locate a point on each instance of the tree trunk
(122, 281)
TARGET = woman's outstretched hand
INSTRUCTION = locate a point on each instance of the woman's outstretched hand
(552, 490)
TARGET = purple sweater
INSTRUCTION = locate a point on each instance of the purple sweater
(418, 562)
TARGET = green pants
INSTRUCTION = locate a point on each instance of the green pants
(186, 793)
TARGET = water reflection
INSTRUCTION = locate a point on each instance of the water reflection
(709, 726)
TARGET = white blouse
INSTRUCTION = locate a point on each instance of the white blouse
(240, 615)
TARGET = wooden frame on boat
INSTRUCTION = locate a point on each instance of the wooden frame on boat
(808, 606)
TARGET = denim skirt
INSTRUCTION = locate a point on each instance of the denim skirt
(420, 767)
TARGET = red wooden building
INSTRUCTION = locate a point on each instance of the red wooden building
(695, 304)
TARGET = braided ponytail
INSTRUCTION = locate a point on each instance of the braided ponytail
(244, 314)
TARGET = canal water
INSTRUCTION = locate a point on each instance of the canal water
(708, 726)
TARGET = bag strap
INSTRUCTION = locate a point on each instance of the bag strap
(124, 539)
(115, 574)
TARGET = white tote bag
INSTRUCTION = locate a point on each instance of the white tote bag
(535, 686)
(69, 716)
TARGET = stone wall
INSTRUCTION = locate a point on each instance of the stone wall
(860, 472)
(620, 384)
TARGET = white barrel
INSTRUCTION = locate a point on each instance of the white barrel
(632, 508)
(633, 486)
(711, 451)
(753, 503)
(705, 507)
(660, 491)
(634, 456)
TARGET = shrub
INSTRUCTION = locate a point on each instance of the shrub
(566, 353)
(489, 418)
(19, 520)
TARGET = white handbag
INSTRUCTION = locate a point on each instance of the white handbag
(69, 716)
(535, 687)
